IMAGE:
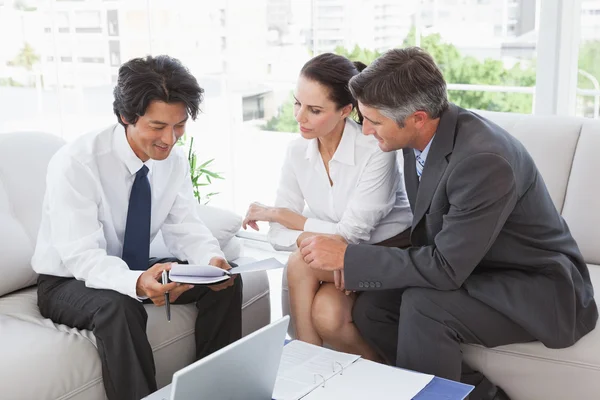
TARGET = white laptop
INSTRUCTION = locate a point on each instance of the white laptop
(246, 369)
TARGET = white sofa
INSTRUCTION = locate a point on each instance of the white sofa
(567, 152)
(43, 360)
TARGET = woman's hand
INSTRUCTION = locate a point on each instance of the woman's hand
(258, 212)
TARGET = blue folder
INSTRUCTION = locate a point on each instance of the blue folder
(444, 389)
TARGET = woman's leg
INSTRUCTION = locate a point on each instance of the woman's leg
(332, 318)
(303, 284)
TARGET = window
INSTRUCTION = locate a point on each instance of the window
(493, 69)
(87, 22)
(114, 48)
(112, 21)
(64, 57)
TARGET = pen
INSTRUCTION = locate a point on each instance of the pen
(167, 302)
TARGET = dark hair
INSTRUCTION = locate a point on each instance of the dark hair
(162, 78)
(401, 82)
(334, 72)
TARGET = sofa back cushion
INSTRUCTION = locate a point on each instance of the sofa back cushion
(24, 158)
(551, 141)
(582, 203)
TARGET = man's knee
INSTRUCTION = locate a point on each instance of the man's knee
(118, 307)
(425, 302)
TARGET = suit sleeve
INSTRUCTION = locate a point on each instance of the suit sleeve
(482, 193)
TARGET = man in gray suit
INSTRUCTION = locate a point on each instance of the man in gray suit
(492, 262)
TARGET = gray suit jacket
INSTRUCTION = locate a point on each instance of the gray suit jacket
(484, 221)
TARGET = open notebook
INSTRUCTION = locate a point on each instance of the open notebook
(320, 373)
(207, 274)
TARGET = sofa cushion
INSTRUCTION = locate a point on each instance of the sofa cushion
(524, 369)
(42, 363)
(23, 161)
(581, 209)
(223, 224)
(551, 141)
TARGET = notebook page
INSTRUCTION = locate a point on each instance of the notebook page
(370, 380)
(261, 265)
(304, 367)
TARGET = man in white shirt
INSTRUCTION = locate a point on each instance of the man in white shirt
(108, 194)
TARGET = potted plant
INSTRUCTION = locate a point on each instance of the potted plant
(200, 173)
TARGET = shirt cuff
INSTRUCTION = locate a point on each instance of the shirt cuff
(318, 226)
(284, 239)
(205, 258)
(132, 278)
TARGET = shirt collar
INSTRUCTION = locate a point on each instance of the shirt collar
(425, 151)
(126, 153)
(345, 150)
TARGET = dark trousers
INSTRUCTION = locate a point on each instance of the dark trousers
(422, 330)
(119, 325)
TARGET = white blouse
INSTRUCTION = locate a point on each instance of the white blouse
(367, 202)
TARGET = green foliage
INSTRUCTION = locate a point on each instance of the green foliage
(26, 58)
(200, 173)
(461, 69)
(469, 70)
(9, 82)
(358, 54)
(589, 61)
(21, 5)
(285, 120)
(456, 69)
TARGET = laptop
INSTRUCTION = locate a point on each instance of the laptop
(245, 369)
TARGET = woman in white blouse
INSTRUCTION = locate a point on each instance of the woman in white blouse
(352, 190)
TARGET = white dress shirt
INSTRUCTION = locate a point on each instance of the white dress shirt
(367, 202)
(85, 211)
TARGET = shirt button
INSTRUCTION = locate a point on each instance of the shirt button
(378, 284)
(372, 284)
(360, 284)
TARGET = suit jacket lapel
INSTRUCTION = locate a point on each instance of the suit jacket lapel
(411, 181)
(436, 163)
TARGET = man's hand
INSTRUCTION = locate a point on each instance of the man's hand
(340, 284)
(324, 252)
(223, 264)
(148, 285)
(257, 212)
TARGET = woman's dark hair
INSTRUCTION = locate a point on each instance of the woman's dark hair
(162, 78)
(334, 72)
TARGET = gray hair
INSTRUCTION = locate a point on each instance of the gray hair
(401, 82)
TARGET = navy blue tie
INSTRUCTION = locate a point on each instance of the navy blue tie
(136, 244)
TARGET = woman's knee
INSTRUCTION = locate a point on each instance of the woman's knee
(296, 269)
(330, 312)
